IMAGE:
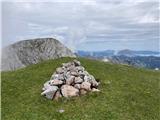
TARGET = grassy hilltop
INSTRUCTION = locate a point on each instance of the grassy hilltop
(127, 93)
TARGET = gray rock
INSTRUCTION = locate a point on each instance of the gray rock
(61, 77)
(54, 76)
(46, 85)
(27, 52)
(87, 79)
(78, 86)
(50, 91)
(78, 80)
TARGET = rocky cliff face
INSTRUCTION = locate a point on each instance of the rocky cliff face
(32, 51)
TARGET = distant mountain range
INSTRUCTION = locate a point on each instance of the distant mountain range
(151, 62)
(147, 59)
(125, 52)
(132, 53)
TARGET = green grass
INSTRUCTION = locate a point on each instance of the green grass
(127, 93)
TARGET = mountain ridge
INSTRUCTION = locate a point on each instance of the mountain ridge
(32, 51)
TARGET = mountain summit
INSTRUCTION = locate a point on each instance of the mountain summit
(27, 52)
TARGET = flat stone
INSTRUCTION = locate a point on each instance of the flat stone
(78, 80)
(95, 90)
(50, 91)
(69, 91)
(61, 111)
(56, 82)
(74, 73)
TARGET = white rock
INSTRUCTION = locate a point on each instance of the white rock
(61, 111)
(85, 73)
(69, 91)
(50, 91)
(86, 86)
(74, 73)
(56, 82)
(54, 76)
(78, 80)
(46, 85)
(61, 77)
(95, 90)
(80, 68)
(87, 79)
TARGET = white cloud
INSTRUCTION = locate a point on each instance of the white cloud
(77, 22)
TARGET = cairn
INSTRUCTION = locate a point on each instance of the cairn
(71, 79)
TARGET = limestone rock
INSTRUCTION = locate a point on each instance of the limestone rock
(71, 79)
(27, 52)
(46, 85)
(50, 91)
(78, 80)
(78, 86)
(69, 91)
(56, 82)
(74, 73)
(59, 70)
(95, 90)
(86, 86)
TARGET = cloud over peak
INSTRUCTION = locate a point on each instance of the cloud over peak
(77, 23)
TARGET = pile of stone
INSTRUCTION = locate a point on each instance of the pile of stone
(71, 79)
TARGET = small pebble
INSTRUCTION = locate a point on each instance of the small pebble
(61, 111)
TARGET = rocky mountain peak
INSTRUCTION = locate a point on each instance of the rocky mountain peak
(26, 52)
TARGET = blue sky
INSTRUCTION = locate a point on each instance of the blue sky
(84, 25)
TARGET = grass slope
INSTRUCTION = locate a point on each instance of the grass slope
(127, 93)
